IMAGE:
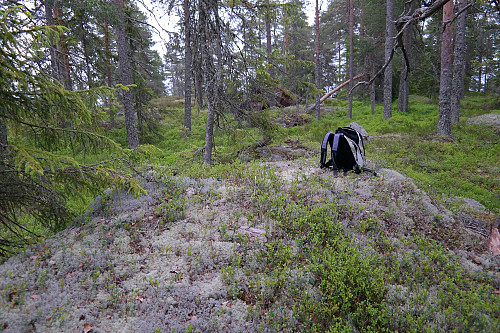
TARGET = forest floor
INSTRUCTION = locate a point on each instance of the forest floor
(271, 242)
(188, 256)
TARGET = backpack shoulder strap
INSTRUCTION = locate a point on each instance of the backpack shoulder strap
(324, 148)
(336, 139)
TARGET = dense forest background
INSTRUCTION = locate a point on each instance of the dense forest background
(237, 56)
(74, 74)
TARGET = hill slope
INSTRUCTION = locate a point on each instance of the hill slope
(265, 247)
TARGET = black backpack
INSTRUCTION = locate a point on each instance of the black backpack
(348, 151)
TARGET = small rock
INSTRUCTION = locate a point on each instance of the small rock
(361, 130)
(392, 175)
(471, 205)
(493, 242)
(253, 232)
(244, 157)
(492, 119)
(364, 192)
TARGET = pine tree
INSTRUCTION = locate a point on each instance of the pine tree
(444, 121)
(460, 50)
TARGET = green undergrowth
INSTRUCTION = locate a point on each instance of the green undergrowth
(312, 275)
(464, 165)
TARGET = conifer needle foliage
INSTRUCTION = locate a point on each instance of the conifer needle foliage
(43, 128)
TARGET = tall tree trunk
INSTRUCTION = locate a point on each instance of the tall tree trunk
(187, 67)
(3, 134)
(111, 111)
(268, 36)
(54, 61)
(372, 85)
(444, 121)
(121, 41)
(351, 55)
(457, 90)
(210, 47)
(404, 80)
(317, 73)
(62, 51)
(389, 33)
(198, 64)
(198, 85)
(138, 110)
(86, 56)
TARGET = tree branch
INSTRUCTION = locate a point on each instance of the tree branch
(458, 14)
(402, 24)
(328, 94)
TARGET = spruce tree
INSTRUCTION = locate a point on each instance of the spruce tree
(36, 178)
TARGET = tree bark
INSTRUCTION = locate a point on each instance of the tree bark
(54, 61)
(268, 36)
(109, 79)
(372, 87)
(317, 73)
(389, 33)
(187, 67)
(457, 90)
(198, 83)
(62, 51)
(121, 41)
(404, 80)
(198, 63)
(419, 14)
(212, 68)
(3, 133)
(444, 121)
(351, 55)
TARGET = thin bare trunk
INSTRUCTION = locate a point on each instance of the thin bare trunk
(351, 55)
(318, 67)
(444, 121)
(389, 34)
(268, 36)
(111, 111)
(210, 52)
(372, 86)
(198, 66)
(339, 66)
(187, 67)
(404, 80)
